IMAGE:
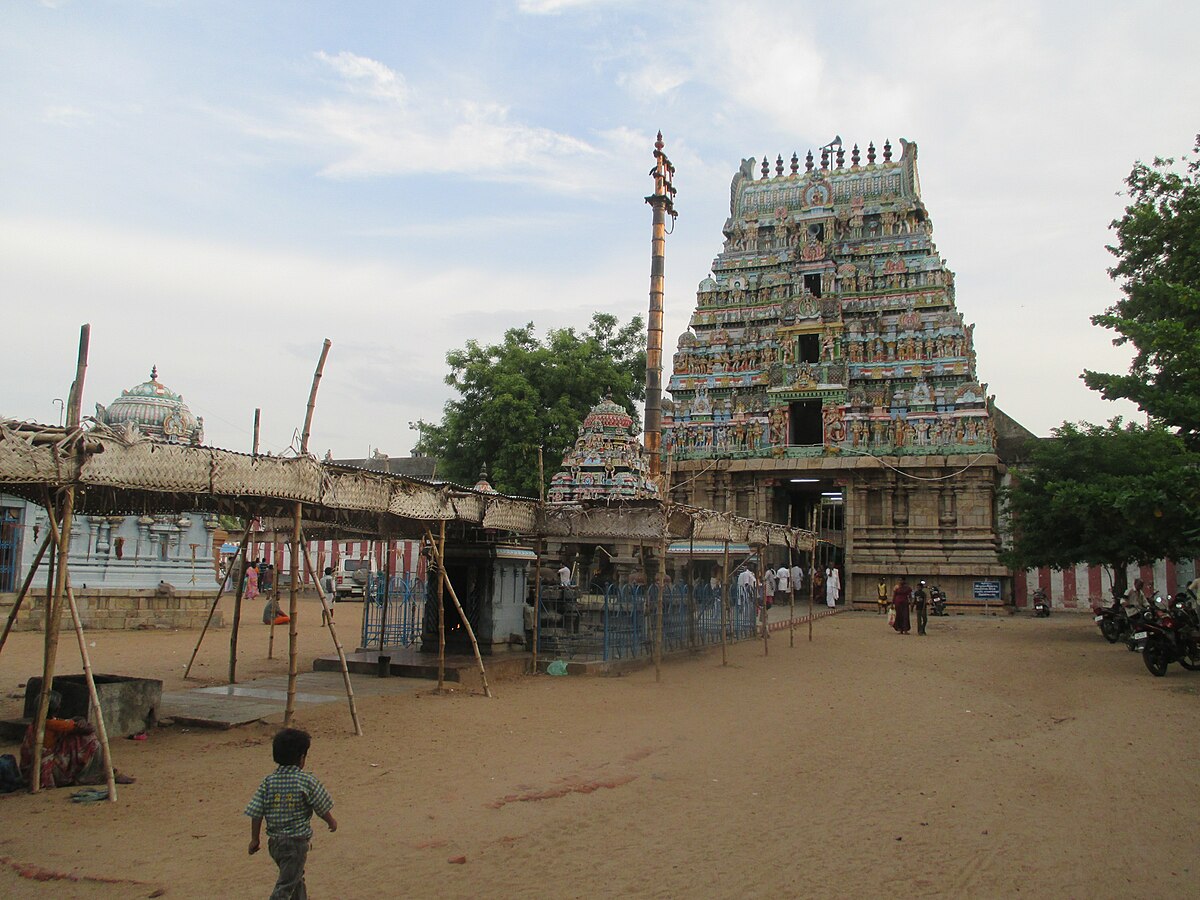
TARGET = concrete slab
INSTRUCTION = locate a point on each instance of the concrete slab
(227, 706)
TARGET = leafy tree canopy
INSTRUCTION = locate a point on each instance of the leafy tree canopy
(1158, 253)
(1104, 495)
(524, 393)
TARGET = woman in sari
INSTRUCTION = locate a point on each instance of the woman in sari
(900, 598)
(251, 591)
(70, 752)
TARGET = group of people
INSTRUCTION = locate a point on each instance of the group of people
(777, 584)
(903, 596)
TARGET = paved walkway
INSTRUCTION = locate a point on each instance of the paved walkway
(225, 706)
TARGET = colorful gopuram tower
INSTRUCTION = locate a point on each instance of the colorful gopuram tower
(607, 461)
(828, 376)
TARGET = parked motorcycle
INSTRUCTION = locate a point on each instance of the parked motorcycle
(1113, 621)
(1171, 635)
(1041, 604)
(938, 601)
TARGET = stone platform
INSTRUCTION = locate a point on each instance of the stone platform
(229, 705)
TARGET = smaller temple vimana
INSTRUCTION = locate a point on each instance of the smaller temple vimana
(828, 378)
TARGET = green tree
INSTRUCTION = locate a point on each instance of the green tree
(1158, 253)
(524, 393)
(1104, 495)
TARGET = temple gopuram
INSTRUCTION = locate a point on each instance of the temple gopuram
(827, 377)
(606, 463)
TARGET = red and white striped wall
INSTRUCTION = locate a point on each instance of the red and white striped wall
(401, 557)
(1075, 588)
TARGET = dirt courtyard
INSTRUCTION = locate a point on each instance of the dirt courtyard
(995, 757)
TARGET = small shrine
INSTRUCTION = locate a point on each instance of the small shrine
(127, 568)
(607, 461)
(154, 410)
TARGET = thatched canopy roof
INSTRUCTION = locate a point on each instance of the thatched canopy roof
(119, 471)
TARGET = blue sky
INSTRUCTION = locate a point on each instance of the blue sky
(218, 186)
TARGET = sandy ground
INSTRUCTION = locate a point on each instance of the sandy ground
(994, 757)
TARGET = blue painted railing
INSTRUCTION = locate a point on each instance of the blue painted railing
(405, 605)
(619, 620)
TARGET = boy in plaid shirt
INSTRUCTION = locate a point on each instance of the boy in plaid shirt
(287, 799)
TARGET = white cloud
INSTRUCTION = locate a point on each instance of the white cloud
(555, 7)
(385, 127)
(364, 75)
(66, 115)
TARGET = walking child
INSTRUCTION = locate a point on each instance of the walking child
(287, 799)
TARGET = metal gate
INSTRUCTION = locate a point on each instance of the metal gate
(393, 611)
(10, 546)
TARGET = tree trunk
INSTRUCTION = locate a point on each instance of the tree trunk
(1120, 581)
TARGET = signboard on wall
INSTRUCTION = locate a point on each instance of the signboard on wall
(986, 590)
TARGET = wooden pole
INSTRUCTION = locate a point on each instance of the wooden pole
(237, 620)
(241, 554)
(462, 614)
(691, 586)
(387, 596)
(298, 511)
(812, 555)
(54, 605)
(724, 602)
(791, 598)
(665, 487)
(274, 607)
(312, 573)
(438, 551)
(762, 558)
(12, 616)
(289, 710)
(93, 695)
(274, 596)
(541, 547)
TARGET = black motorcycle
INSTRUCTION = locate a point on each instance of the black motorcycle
(1172, 635)
(937, 602)
(1041, 604)
(1113, 621)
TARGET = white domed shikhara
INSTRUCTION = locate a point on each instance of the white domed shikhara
(154, 410)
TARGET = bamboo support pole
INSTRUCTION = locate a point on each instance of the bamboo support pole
(29, 576)
(691, 588)
(461, 613)
(294, 588)
(812, 580)
(766, 632)
(237, 621)
(540, 547)
(289, 711)
(241, 554)
(93, 694)
(791, 597)
(54, 605)
(312, 573)
(438, 551)
(387, 596)
(725, 582)
(274, 609)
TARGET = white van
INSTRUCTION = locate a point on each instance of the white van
(350, 576)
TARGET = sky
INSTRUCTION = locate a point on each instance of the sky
(217, 186)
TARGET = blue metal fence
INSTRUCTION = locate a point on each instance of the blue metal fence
(620, 621)
(403, 599)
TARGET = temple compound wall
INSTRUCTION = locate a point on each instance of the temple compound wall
(828, 378)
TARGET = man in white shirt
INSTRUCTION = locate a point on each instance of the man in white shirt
(783, 580)
(564, 576)
(797, 579)
(747, 585)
